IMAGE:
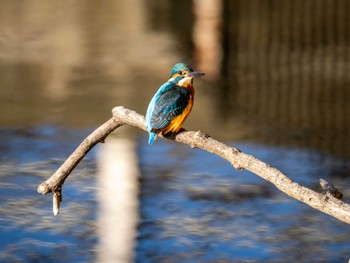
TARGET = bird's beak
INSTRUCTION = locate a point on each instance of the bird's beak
(195, 74)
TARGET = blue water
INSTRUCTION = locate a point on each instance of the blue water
(194, 207)
(206, 211)
(29, 231)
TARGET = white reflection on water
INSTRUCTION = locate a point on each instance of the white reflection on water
(192, 205)
(117, 184)
(70, 63)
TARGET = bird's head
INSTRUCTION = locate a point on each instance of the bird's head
(184, 70)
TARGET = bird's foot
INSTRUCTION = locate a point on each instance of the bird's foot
(169, 135)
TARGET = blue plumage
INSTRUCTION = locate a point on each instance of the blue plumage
(180, 67)
(168, 102)
(172, 102)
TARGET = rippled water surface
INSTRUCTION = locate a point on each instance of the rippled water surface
(193, 206)
(276, 87)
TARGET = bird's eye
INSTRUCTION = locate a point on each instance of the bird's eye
(180, 72)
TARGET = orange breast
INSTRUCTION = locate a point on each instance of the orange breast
(176, 124)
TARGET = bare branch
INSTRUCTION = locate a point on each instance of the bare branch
(325, 203)
(55, 182)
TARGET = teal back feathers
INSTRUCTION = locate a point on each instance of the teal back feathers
(172, 103)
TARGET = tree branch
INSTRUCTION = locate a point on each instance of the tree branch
(123, 116)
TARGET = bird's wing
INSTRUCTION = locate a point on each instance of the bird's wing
(170, 103)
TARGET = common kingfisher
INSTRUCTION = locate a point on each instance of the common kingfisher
(172, 103)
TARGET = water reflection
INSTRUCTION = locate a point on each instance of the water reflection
(277, 88)
(30, 233)
(286, 69)
(118, 200)
(86, 59)
(196, 208)
(189, 210)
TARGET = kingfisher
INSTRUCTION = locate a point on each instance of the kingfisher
(172, 103)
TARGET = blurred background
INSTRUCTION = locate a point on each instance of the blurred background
(276, 86)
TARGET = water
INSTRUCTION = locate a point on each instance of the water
(279, 94)
(205, 211)
(30, 232)
(193, 206)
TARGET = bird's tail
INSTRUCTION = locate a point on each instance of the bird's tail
(152, 137)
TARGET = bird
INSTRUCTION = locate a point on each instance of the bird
(172, 103)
